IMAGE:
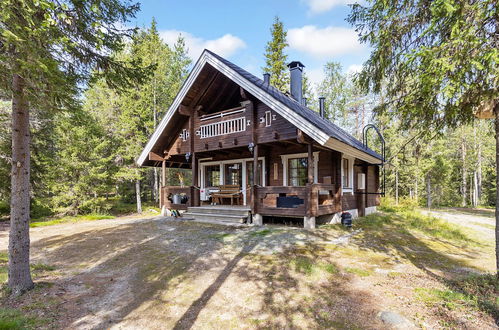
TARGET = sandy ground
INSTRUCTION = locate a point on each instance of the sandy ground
(161, 273)
(480, 220)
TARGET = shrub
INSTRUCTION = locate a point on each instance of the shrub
(4, 208)
(40, 209)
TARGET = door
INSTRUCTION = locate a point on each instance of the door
(250, 180)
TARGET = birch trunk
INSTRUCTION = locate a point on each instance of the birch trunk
(428, 192)
(19, 271)
(479, 171)
(396, 187)
(137, 194)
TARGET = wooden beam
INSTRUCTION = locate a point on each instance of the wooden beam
(310, 164)
(203, 91)
(300, 136)
(154, 156)
(163, 173)
(185, 110)
(243, 94)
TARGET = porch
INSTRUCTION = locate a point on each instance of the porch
(307, 202)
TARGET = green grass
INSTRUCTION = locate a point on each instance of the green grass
(14, 319)
(480, 292)
(448, 298)
(483, 288)
(4, 259)
(37, 269)
(220, 236)
(67, 219)
(308, 266)
(358, 271)
(260, 233)
(484, 225)
(407, 217)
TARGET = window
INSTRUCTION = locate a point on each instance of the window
(249, 173)
(297, 171)
(346, 173)
(212, 175)
(233, 174)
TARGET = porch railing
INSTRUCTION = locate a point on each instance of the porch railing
(310, 200)
(325, 199)
(187, 197)
(281, 201)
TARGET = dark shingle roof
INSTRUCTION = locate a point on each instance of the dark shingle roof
(309, 115)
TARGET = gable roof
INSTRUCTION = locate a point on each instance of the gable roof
(310, 122)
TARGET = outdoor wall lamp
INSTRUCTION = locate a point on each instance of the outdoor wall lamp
(187, 156)
(251, 147)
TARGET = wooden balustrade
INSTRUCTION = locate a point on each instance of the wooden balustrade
(325, 199)
(167, 193)
(311, 200)
(267, 201)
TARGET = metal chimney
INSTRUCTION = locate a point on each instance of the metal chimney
(322, 110)
(295, 73)
(266, 78)
(304, 101)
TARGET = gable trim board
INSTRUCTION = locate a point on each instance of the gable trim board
(293, 117)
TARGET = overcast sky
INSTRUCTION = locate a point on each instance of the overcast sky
(239, 30)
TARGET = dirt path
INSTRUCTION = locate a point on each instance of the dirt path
(482, 221)
(160, 273)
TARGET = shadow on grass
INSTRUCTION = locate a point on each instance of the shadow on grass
(158, 256)
(391, 233)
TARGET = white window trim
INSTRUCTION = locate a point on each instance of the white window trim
(285, 158)
(202, 178)
(350, 170)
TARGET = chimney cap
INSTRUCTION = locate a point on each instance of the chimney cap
(296, 64)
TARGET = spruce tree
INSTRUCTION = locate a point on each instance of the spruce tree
(275, 57)
(441, 59)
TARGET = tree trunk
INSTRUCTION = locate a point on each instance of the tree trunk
(496, 110)
(396, 187)
(463, 171)
(479, 170)
(475, 189)
(137, 194)
(156, 184)
(19, 271)
(428, 192)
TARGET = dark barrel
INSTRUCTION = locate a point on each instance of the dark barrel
(346, 219)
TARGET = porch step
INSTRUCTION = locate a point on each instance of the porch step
(222, 214)
(220, 209)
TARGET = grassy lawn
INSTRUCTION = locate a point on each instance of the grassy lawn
(118, 209)
(167, 273)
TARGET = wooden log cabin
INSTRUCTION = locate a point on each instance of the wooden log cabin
(234, 130)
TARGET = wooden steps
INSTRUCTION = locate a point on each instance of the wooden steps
(222, 214)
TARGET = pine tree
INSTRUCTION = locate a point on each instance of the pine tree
(48, 51)
(275, 57)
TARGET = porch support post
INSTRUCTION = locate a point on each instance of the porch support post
(257, 218)
(309, 218)
(310, 163)
(195, 186)
(163, 182)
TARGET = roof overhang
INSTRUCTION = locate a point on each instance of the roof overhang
(294, 118)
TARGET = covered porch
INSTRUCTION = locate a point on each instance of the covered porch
(280, 179)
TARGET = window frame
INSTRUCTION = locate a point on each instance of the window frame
(285, 158)
(350, 174)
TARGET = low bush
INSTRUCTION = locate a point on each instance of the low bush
(4, 208)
